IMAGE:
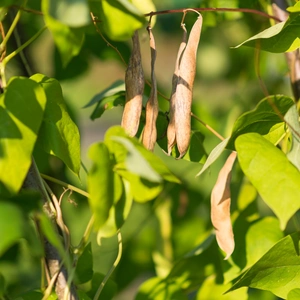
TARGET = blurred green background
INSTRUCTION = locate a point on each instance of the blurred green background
(226, 85)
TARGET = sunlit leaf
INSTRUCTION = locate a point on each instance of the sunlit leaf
(67, 39)
(281, 37)
(263, 119)
(120, 18)
(214, 154)
(59, 135)
(72, 13)
(295, 8)
(277, 271)
(23, 98)
(292, 119)
(271, 173)
(294, 294)
(100, 183)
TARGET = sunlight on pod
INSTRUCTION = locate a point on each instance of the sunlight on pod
(134, 84)
(150, 132)
(220, 207)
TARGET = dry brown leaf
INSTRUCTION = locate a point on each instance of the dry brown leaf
(134, 84)
(184, 90)
(220, 207)
(171, 127)
(150, 133)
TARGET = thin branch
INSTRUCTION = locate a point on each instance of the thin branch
(66, 185)
(207, 9)
(116, 262)
(208, 127)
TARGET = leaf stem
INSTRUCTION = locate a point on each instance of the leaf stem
(208, 127)
(17, 51)
(66, 185)
(116, 262)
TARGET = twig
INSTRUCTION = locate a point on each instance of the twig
(116, 262)
(208, 127)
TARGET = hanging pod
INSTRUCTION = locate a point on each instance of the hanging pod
(150, 132)
(134, 85)
(171, 135)
(181, 100)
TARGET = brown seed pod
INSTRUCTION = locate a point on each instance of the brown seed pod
(220, 207)
(184, 90)
(150, 133)
(134, 84)
(171, 127)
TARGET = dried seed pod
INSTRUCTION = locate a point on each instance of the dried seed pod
(220, 207)
(134, 84)
(171, 127)
(184, 90)
(150, 132)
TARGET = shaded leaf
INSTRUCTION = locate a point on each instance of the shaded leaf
(11, 225)
(220, 207)
(196, 151)
(271, 173)
(263, 119)
(282, 37)
(109, 290)
(84, 267)
(277, 271)
(292, 119)
(67, 39)
(22, 99)
(213, 155)
(100, 183)
(59, 135)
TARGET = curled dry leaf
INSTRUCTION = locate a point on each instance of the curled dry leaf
(220, 207)
(171, 127)
(134, 84)
(150, 133)
(184, 90)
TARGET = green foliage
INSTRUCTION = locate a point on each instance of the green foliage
(140, 218)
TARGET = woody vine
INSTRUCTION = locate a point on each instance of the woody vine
(147, 173)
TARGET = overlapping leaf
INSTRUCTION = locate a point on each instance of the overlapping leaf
(58, 135)
(272, 174)
(277, 271)
(22, 99)
(263, 119)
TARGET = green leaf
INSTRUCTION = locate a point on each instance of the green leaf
(115, 88)
(214, 291)
(263, 119)
(69, 12)
(295, 8)
(120, 18)
(260, 237)
(68, 40)
(11, 225)
(22, 99)
(282, 37)
(135, 162)
(271, 173)
(100, 183)
(84, 267)
(213, 155)
(2, 285)
(196, 151)
(292, 119)
(294, 294)
(277, 271)
(111, 97)
(160, 289)
(59, 135)
(109, 290)
(120, 153)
